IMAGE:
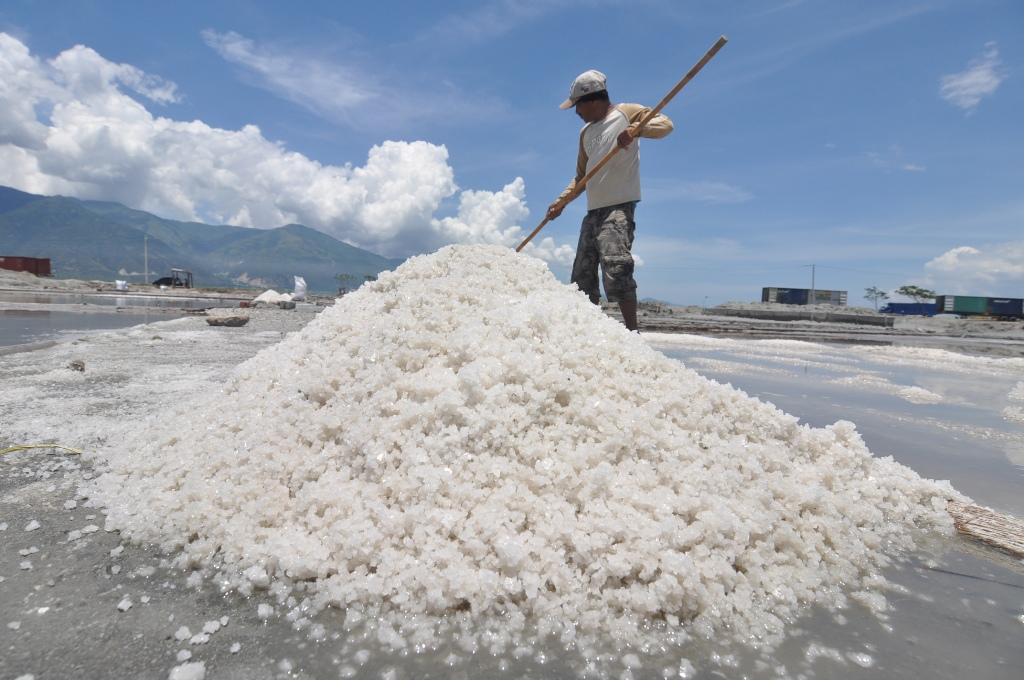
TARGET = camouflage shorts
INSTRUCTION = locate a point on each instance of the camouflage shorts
(606, 237)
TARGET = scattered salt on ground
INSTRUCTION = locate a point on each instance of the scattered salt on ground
(913, 394)
(195, 670)
(1014, 414)
(467, 433)
(1017, 393)
(125, 604)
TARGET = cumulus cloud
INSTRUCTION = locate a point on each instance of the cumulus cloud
(492, 217)
(993, 270)
(98, 142)
(980, 79)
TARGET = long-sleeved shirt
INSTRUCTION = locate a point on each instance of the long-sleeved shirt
(619, 180)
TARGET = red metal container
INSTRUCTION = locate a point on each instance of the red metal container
(40, 266)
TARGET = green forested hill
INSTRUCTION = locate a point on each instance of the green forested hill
(103, 240)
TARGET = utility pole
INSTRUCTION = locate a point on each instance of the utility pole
(811, 296)
(145, 259)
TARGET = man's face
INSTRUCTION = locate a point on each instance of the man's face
(591, 111)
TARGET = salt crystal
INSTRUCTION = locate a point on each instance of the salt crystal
(70, 505)
(144, 599)
(211, 627)
(195, 670)
(199, 639)
(183, 655)
(264, 611)
(14, 625)
(3, 526)
(117, 551)
(224, 620)
(32, 525)
(90, 529)
(182, 634)
(25, 565)
(236, 647)
(28, 551)
(125, 604)
(861, 659)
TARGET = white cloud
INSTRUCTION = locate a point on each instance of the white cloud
(893, 158)
(492, 19)
(492, 217)
(993, 270)
(98, 142)
(980, 79)
(325, 89)
(698, 191)
(343, 92)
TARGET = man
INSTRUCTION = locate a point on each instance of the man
(606, 235)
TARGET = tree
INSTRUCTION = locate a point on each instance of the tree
(875, 294)
(916, 293)
(345, 282)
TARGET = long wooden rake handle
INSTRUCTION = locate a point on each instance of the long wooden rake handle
(578, 189)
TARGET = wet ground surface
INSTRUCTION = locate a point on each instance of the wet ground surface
(75, 601)
(21, 326)
(132, 299)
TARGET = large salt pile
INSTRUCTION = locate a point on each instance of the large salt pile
(467, 433)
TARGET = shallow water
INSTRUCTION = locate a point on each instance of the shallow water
(19, 326)
(133, 299)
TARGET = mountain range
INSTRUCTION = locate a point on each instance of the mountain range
(103, 240)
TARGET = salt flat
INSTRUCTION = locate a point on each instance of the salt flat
(960, 433)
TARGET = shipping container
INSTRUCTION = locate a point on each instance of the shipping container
(802, 296)
(1013, 307)
(910, 308)
(972, 305)
(40, 266)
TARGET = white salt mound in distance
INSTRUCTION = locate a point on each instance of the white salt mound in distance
(468, 432)
(271, 297)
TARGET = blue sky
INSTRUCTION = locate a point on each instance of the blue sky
(880, 140)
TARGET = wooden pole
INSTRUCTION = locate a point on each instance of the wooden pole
(643, 123)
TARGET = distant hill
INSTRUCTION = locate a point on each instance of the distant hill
(103, 240)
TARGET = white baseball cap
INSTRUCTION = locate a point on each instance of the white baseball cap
(585, 83)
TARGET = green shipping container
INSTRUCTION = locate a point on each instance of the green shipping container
(970, 304)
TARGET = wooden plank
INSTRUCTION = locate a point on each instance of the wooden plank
(987, 526)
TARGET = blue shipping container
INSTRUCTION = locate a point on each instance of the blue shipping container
(910, 308)
(1006, 306)
(793, 296)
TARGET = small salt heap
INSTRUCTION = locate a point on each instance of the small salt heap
(468, 433)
